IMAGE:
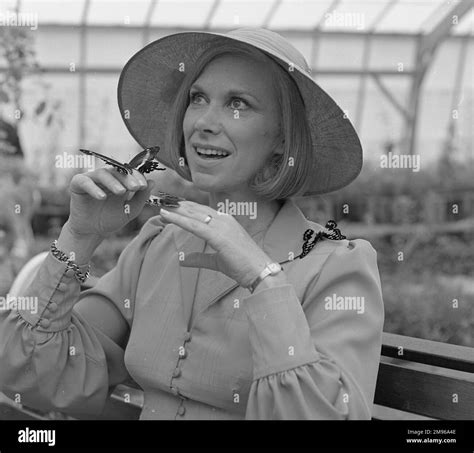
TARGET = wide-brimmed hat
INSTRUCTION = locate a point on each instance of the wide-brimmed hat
(150, 80)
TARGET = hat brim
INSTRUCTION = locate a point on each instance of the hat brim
(151, 78)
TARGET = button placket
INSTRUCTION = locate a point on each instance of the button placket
(45, 323)
(182, 354)
(52, 307)
(181, 409)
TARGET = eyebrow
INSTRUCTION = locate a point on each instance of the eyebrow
(235, 92)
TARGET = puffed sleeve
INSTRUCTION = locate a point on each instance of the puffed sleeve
(318, 358)
(54, 357)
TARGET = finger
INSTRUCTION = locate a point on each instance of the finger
(141, 196)
(187, 223)
(108, 181)
(140, 177)
(82, 184)
(193, 210)
(204, 260)
(129, 181)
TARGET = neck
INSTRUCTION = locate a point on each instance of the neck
(253, 213)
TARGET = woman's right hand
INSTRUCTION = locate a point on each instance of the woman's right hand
(100, 201)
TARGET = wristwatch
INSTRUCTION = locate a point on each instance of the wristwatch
(270, 269)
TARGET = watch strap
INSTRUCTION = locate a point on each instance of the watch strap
(264, 274)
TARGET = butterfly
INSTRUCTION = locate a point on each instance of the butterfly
(144, 161)
(164, 199)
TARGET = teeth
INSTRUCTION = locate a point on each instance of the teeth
(211, 152)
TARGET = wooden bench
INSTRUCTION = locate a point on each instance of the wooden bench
(419, 377)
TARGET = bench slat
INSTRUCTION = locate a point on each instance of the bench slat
(435, 353)
(424, 393)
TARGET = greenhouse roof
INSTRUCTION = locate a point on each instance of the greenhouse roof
(412, 17)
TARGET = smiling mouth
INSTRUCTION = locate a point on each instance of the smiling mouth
(210, 154)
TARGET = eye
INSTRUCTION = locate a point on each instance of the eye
(194, 95)
(239, 100)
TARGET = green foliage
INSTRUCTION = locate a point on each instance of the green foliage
(375, 181)
(424, 308)
(18, 52)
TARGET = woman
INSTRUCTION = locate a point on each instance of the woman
(198, 312)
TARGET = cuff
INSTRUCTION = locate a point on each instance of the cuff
(48, 302)
(279, 332)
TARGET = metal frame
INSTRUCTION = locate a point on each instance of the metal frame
(82, 77)
(428, 44)
(424, 55)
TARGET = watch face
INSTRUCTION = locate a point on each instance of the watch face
(274, 267)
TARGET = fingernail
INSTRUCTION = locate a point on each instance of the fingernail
(129, 196)
(164, 211)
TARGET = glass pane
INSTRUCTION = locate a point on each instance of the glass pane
(382, 124)
(396, 54)
(436, 16)
(353, 15)
(121, 12)
(441, 73)
(436, 97)
(465, 105)
(407, 16)
(299, 14)
(100, 52)
(182, 13)
(105, 130)
(48, 51)
(55, 11)
(340, 52)
(466, 24)
(241, 13)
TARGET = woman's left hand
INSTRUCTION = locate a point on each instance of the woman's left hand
(237, 255)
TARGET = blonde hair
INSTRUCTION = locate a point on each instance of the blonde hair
(283, 175)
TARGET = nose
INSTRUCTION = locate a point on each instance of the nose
(209, 120)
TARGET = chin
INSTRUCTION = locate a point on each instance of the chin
(206, 183)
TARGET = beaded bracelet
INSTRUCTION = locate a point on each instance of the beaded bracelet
(61, 256)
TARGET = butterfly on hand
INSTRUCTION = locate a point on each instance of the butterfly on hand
(164, 199)
(144, 161)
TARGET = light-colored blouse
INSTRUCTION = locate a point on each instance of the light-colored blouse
(307, 349)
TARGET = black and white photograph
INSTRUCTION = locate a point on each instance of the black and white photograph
(239, 210)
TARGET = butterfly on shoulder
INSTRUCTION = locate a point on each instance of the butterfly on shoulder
(144, 162)
(163, 199)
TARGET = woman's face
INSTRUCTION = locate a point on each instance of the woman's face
(232, 107)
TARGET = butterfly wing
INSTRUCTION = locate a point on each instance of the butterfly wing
(108, 160)
(164, 199)
(145, 161)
